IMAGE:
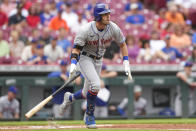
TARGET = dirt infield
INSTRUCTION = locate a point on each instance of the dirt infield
(184, 127)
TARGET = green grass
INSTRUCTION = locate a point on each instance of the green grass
(71, 122)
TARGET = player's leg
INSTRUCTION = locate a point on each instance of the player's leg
(69, 98)
(90, 72)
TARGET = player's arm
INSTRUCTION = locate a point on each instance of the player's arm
(184, 79)
(123, 48)
(74, 58)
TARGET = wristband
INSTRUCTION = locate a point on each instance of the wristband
(74, 61)
(125, 58)
(75, 56)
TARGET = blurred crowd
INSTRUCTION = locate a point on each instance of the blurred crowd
(42, 32)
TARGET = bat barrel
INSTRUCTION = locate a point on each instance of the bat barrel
(38, 107)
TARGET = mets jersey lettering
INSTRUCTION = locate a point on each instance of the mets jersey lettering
(94, 41)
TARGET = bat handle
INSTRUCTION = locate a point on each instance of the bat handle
(38, 107)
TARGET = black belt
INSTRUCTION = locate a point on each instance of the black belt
(91, 56)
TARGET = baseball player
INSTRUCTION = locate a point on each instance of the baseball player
(9, 105)
(186, 76)
(139, 104)
(87, 54)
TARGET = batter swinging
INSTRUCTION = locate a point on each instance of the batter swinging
(87, 53)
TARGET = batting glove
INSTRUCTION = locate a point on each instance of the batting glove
(127, 67)
(72, 67)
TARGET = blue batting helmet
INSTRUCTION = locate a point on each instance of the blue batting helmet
(100, 9)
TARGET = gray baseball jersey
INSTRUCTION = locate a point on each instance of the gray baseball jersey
(8, 108)
(95, 41)
(139, 105)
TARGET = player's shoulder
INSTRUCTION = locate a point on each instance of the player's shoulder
(3, 98)
(113, 25)
(142, 100)
(86, 26)
(15, 102)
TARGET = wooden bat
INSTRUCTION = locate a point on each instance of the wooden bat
(45, 101)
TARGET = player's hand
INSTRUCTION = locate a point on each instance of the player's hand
(127, 69)
(72, 69)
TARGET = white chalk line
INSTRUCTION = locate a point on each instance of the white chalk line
(80, 126)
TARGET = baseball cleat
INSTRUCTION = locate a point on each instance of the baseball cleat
(65, 103)
(90, 121)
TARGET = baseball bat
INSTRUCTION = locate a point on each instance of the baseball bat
(38, 107)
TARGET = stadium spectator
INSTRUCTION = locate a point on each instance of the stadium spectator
(53, 51)
(145, 53)
(112, 53)
(139, 104)
(26, 4)
(18, 17)
(39, 57)
(75, 5)
(69, 16)
(89, 9)
(58, 99)
(46, 16)
(4, 47)
(155, 4)
(188, 28)
(179, 39)
(36, 34)
(22, 36)
(29, 51)
(168, 30)
(161, 22)
(60, 4)
(9, 105)
(174, 16)
(133, 48)
(7, 7)
(16, 46)
(128, 6)
(135, 17)
(24, 11)
(192, 58)
(57, 22)
(63, 42)
(33, 19)
(187, 4)
(3, 18)
(53, 8)
(156, 44)
(186, 76)
(80, 22)
(171, 52)
(45, 36)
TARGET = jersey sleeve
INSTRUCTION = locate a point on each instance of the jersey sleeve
(17, 111)
(123, 103)
(118, 35)
(81, 36)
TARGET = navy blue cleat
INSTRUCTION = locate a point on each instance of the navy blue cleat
(90, 121)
